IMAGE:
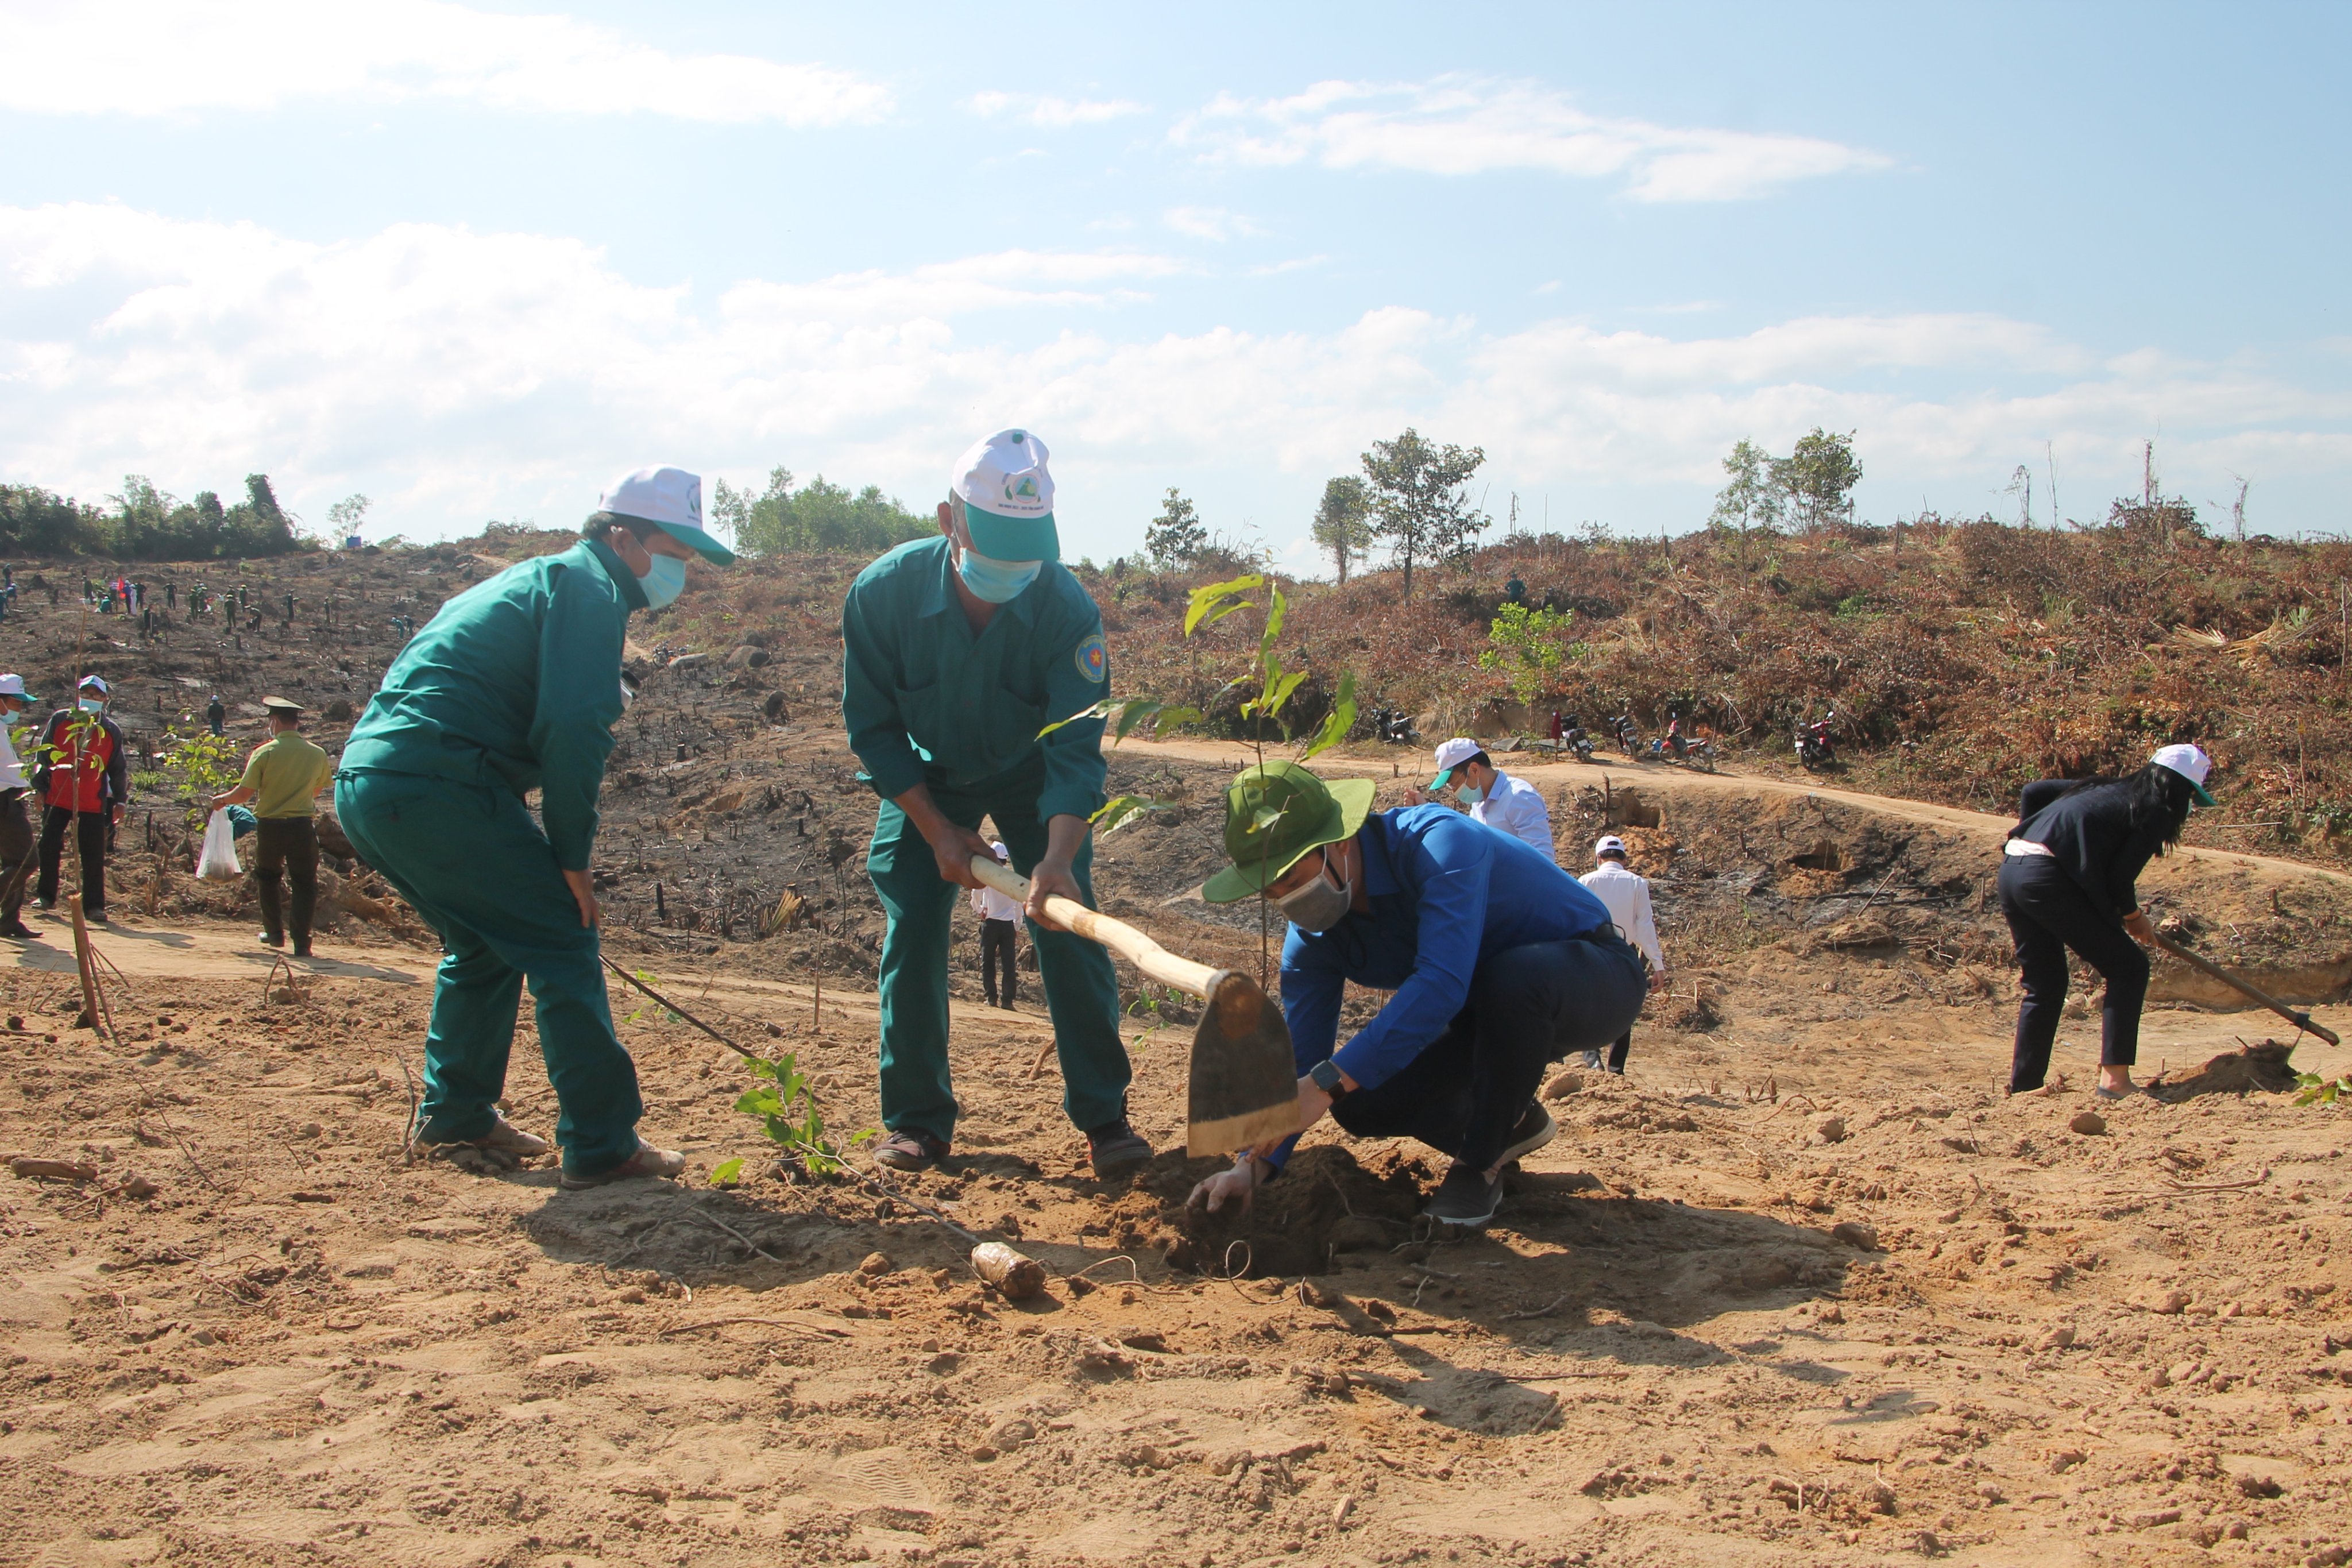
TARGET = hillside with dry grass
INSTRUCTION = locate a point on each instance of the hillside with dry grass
(1964, 659)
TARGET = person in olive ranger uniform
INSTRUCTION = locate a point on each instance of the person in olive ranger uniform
(957, 651)
(515, 686)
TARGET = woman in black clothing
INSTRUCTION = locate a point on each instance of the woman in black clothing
(2067, 881)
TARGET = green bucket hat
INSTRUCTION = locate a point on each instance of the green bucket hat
(1273, 815)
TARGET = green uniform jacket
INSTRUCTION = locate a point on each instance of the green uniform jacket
(516, 682)
(925, 701)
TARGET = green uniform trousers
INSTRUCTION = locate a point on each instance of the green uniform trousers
(471, 860)
(1081, 988)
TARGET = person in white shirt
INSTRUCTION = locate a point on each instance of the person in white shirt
(1628, 897)
(16, 839)
(998, 918)
(1503, 803)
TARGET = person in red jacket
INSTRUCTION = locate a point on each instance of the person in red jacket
(82, 777)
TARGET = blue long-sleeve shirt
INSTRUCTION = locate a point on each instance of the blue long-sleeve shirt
(1447, 893)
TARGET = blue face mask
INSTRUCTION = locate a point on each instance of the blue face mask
(997, 582)
(1469, 795)
(664, 582)
(92, 705)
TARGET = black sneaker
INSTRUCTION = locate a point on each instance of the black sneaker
(18, 931)
(266, 940)
(1534, 1129)
(1116, 1149)
(1465, 1198)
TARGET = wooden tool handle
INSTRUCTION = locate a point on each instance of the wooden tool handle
(2300, 1020)
(1155, 960)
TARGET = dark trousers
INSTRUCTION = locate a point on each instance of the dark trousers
(996, 946)
(2047, 914)
(1528, 1008)
(287, 848)
(16, 846)
(89, 831)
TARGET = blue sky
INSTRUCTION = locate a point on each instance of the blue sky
(471, 260)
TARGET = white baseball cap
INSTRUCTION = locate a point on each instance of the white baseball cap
(1610, 844)
(94, 683)
(14, 686)
(1452, 754)
(2190, 764)
(669, 499)
(1008, 496)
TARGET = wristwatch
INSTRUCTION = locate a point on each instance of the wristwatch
(1325, 1076)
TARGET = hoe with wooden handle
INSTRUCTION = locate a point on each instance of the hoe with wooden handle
(2300, 1020)
(1245, 1083)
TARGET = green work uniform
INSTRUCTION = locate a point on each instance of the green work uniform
(514, 686)
(285, 774)
(927, 702)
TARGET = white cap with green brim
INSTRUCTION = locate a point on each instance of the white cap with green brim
(669, 499)
(1008, 496)
(2190, 764)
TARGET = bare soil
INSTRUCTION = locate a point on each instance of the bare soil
(1804, 1286)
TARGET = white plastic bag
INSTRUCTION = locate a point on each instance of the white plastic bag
(217, 863)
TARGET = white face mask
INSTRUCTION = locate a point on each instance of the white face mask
(1321, 904)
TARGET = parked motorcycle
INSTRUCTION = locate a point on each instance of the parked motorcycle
(1816, 752)
(1395, 726)
(1581, 743)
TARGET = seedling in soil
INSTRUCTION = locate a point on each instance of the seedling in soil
(2318, 1090)
(787, 1112)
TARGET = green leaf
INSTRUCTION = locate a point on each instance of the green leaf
(1118, 813)
(1280, 689)
(1265, 818)
(759, 1102)
(1172, 718)
(1275, 605)
(1103, 709)
(1208, 596)
(1136, 712)
(728, 1173)
(1338, 722)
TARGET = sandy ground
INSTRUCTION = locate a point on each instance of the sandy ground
(1802, 1286)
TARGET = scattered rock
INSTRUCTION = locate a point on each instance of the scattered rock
(689, 661)
(1830, 1130)
(2089, 1124)
(1102, 1358)
(446, 1227)
(771, 708)
(2170, 1304)
(2059, 1338)
(1137, 1338)
(1829, 1313)
(747, 657)
(1562, 1084)
(874, 1264)
(1879, 1499)
(2152, 1518)
(1007, 1435)
(2259, 1486)
(339, 712)
(135, 1185)
(1856, 1235)
(2065, 1459)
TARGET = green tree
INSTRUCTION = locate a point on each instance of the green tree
(1175, 538)
(1818, 477)
(1420, 499)
(781, 521)
(40, 522)
(1343, 523)
(344, 517)
(1751, 500)
(1528, 645)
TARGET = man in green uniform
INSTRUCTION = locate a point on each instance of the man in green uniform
(282, 779)
(955, 652)
(515, 686)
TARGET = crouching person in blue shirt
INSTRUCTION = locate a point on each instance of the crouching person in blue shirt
(1499, 962)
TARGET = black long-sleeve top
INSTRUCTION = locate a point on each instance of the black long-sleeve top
(2089, 833)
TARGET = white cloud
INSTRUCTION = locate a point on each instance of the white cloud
(1053, 113)
(1457, 125)
(457, 376)
(1209, 223)
(168, 57)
